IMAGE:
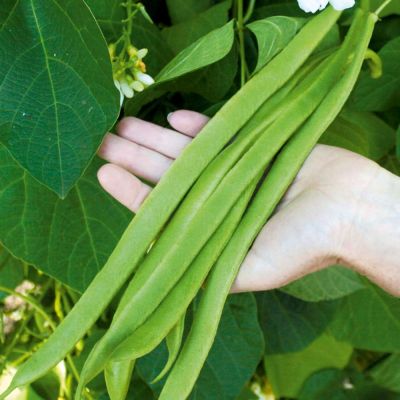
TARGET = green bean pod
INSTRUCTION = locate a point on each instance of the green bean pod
(195, 350)
(174, 341)
(152, 332)
(215, 171)
(150, 291)
(118, 376)
(146, 225)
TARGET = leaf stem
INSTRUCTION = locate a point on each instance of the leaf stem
(381, 7)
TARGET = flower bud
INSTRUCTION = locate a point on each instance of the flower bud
(142, 53)
(146, 79)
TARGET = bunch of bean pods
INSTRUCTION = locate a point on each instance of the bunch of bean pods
(197, 225)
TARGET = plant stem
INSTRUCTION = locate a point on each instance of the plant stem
(240, 26)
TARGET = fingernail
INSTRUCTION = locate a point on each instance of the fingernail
(169, 116)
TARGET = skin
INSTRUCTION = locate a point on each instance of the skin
(342, 207)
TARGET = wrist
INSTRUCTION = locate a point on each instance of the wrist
(372, 245)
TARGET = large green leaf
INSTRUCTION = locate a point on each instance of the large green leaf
(182, 10)
(57, 96)
(232, 360)
(283, 369)
(369, 319)
(184, 34)
(290, 324)
(380, 94)
(68, 239)
(328, 284)
(272, 35)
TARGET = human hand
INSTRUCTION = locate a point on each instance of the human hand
(341, 208)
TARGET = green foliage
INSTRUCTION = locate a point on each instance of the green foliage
(381, 93)
(11, 271)
(290, 324)
(57, 100)
(369, 319)
(286, 375)
(272, 35)
(343, 385)
(387, 373)
(54, 112)
(329, 284)
(182, 10)
(68, 239)
(182, 35)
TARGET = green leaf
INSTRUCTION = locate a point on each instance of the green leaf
(272, 35)
(290, 324)
(369, 319)
(205, 51)
(283, 370)
(182, 10)
(382, 93)
(68, 239)
(57, 96)
(329, 284)
(11, 271)
(361, 132)
(184, 34)
(232, 360)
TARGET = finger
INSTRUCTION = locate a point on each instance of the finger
(188, 122)
(141, 161)
(123, 186)
(291, 245)
(154, 137)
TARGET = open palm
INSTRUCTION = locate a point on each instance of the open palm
(323, 219)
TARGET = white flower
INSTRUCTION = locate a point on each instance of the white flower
(126, 89)
(315, 5)
(146, 79)
(137, 86)
(341, 4)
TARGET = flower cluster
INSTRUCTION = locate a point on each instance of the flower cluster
(315, 5)
(129, 70)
